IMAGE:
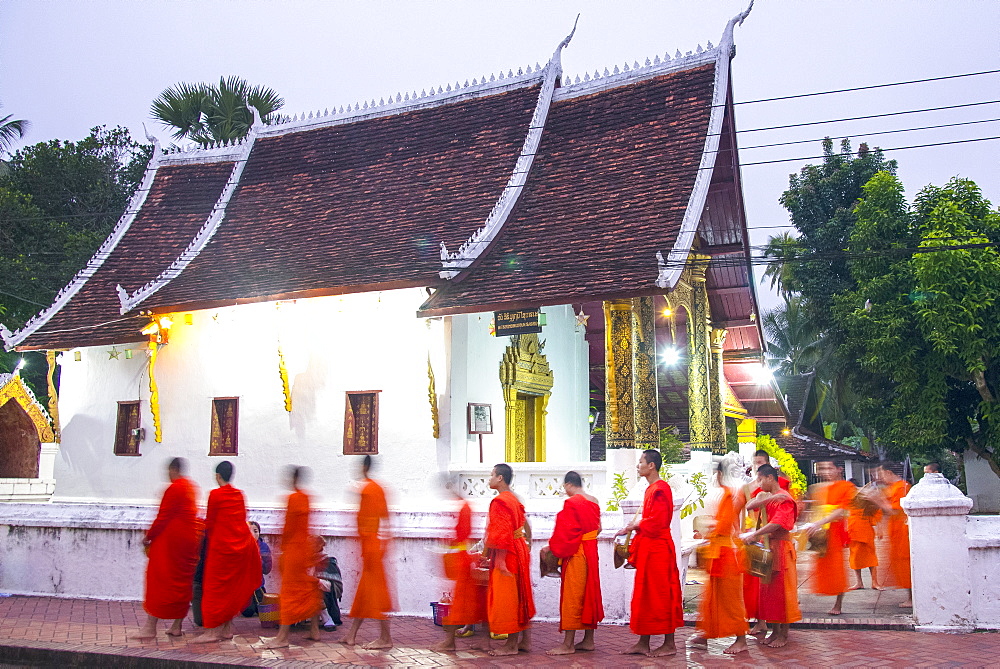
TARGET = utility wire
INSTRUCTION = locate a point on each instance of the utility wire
(895, 148)
(866, 88)
(869, 134)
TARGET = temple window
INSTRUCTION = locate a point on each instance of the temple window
(225, 426)
(361, 423)
(127, 430)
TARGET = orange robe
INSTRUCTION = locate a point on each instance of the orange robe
(861, 531)
(175, 542)
(829, 570)
(899, 536)
(510, 604)
(779, 597)
(372, 599)
(751, 584)
(574, 539)
(300, 595)
(722, 612)
(232, 559)
(656, 594)
(468, 598)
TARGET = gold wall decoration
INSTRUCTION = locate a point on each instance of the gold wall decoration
(527, 384)
(283, 374)
(619, 424)
(716, 382)
(50, 358)
(15, 390)
(644, 387)
(433, 398)
(154, 394)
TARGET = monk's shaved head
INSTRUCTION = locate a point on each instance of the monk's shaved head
(573, 478)
(225, 471)
(504, 471)
(179, 465)
(366, 464)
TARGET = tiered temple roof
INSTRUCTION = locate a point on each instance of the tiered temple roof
(545, 192)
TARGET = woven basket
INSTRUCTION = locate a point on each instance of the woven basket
(268, 611)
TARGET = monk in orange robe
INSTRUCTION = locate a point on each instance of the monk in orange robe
(510, 603)
(779, 598)
(722, 613)
(861, 522)
(899, 532)
(372, 599)
(232, 559)
(173, 543)
(751, 583)
(300, 597)
(657, 594)
(574, 541)
(832, 498)
(468, 598)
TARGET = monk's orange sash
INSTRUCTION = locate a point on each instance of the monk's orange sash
(590, 536)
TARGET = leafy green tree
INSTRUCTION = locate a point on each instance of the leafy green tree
(781, 252)
(793, 340)
(922, 318)
(58, 202)
(206, 113)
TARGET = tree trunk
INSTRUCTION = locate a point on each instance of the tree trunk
(984, 454)
(982, 387)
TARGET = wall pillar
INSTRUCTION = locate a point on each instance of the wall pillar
(716, 381)
(939, 555)
(699, 359)
(644, 387)
(746, 435)
(619, 419)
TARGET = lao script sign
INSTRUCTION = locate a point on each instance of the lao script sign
(521, 321)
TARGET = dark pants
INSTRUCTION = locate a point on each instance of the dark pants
(332, 607)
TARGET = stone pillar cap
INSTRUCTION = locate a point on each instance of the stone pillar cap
(934, 495)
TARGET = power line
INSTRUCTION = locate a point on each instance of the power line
(861, 118)
(895, 148)
(866, 88)
(869, 134)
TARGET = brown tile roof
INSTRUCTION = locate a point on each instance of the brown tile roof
(179, 201)
(608, 190)
(360, 205)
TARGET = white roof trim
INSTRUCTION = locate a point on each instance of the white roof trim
(669, 271)
(629, 75)
(131, 301)
(12, 339)
(476, 245)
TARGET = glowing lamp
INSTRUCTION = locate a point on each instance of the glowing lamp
(20, 366)
(763, 375)
(785, 432)
(670, 355)
(668, 312)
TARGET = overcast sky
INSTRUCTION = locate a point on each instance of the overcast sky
(67, 66)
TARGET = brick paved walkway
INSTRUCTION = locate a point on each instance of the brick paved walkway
(94, 633)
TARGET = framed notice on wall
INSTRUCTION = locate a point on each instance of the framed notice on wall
(480, 419)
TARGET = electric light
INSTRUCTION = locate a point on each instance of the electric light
(166, 322)
(668, 312)
(763, 375)
(20, 365)
(151, 329)
(670, 355)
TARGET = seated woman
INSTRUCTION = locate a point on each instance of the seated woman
(265, 563)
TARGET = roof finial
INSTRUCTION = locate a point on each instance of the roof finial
(258, 123)
(156, 143)
(557, 56)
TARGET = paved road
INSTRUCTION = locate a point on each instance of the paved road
(96, 631)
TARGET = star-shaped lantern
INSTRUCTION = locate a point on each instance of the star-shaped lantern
(582, 318)
(114, 353)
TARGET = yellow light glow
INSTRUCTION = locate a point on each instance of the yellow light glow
(786, 432)
(166, 322)
(152, 328)
(668, 312)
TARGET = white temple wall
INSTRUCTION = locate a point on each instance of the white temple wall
(368, 341)
(475, 377)
(982, 484)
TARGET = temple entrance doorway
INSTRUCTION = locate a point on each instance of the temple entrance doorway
(19, 444)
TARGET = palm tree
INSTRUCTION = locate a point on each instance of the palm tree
(11, 130)
(793, 341)
(781, 251)
(206, 113)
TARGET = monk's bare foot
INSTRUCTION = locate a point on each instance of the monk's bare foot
(585, 645)
(663, 651)
(144, 634)
(274, 642)
(698, 642)
(770, 637)
(834, 611)
(859, 586)
(378, 644)
(777, 642)
(171, 632)
(446, 646)
(347, 641)
(639, 648)
(739, 646)
(561, 650)
(503, 650)
(908, 604)
(206, 637)
(877, 587)
(314, 636)
(759, 628)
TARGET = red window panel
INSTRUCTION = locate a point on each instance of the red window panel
(361, 423)
(225, 426)
(127, 431)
